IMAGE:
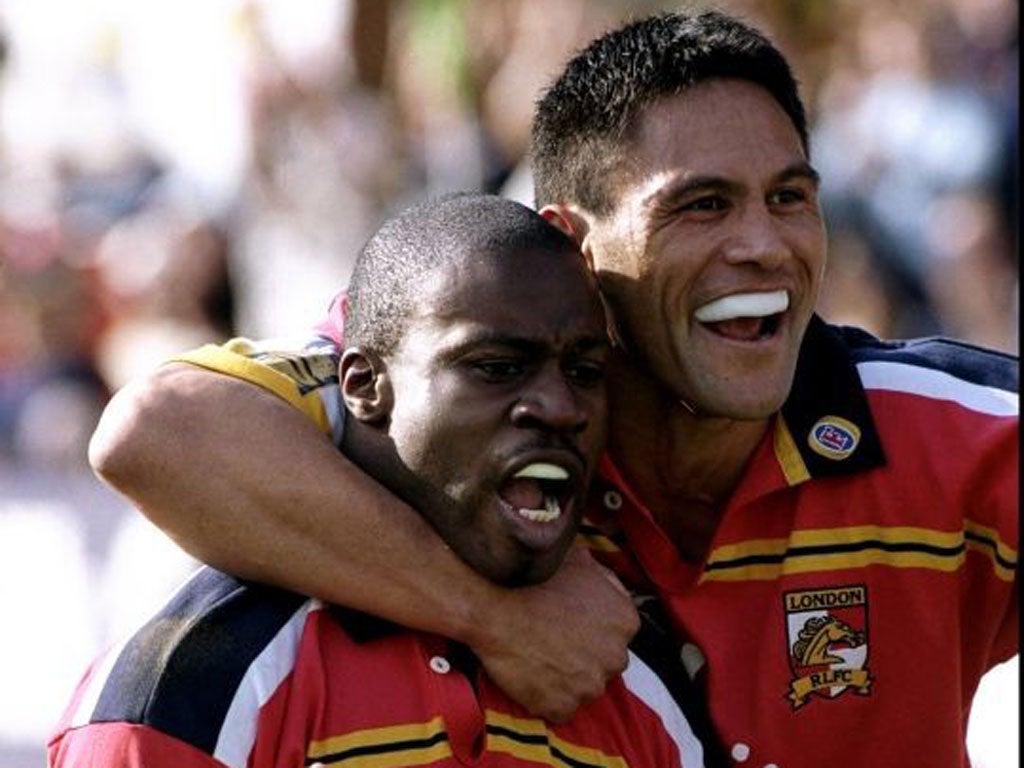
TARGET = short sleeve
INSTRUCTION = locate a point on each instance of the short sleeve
(126, 745)
(304, 375)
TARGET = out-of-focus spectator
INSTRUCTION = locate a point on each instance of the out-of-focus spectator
(327, 159)
(165, 277)
(911, 118)
(971, 279)
(50, 392)
(516, 48)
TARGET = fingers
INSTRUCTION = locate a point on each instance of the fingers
(555, 646)
(559, 704)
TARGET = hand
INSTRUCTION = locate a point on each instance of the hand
(554, 646)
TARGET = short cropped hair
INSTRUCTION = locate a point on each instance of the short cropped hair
(399, 259)
(583, 122)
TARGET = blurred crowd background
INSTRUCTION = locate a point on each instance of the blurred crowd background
(178, 173)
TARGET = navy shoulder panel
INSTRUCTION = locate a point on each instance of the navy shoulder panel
(181, 670)
(965, 361)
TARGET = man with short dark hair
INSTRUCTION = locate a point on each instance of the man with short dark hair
(829, 519)
(491, 423)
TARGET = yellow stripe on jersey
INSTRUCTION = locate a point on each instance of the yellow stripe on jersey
(856, 547)
(387, 747)
(981, 538)
(422, 743)
(597, 543)
(893, 534)
(592, 538)
(530, 739)
(233, 359)
(788, 455)
(805, 564)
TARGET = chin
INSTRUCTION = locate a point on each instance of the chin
(745, 405)
(755, 396)
(753, 411)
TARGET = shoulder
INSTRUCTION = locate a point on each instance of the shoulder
(304, 374)
(981, 379)
(217, 642)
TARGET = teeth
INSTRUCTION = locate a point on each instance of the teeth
(543, 471)
(743, 305)
(550, 513)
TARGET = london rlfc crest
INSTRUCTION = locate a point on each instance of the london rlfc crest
(827, 639)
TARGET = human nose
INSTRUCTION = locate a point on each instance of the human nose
(550, 402)
(756, 237)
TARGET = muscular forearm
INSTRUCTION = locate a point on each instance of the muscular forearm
(242, 481)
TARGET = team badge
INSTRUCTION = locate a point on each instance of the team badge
(833, 437)
(827, 639)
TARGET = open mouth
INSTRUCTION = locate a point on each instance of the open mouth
(539, 492)
(745, 316)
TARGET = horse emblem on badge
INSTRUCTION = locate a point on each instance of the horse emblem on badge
(827, 639)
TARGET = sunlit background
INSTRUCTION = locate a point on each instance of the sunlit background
(173, 173)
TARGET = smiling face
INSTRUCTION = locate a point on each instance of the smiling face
(712, 258)
(499, 407)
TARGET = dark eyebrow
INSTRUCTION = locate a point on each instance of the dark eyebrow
(517, 343)
(590, 343)
(485, 338)
(685, 185)
(802, 170)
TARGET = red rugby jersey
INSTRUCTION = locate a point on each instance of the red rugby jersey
(234, 674)
(863, 576)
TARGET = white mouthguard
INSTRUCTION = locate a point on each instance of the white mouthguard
(543, 471)
(743, 305)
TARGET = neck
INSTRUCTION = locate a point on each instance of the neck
(372, 450)
(683, 465)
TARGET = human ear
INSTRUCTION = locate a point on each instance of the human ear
(365, 385)
(578, 225)
(573, 223)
